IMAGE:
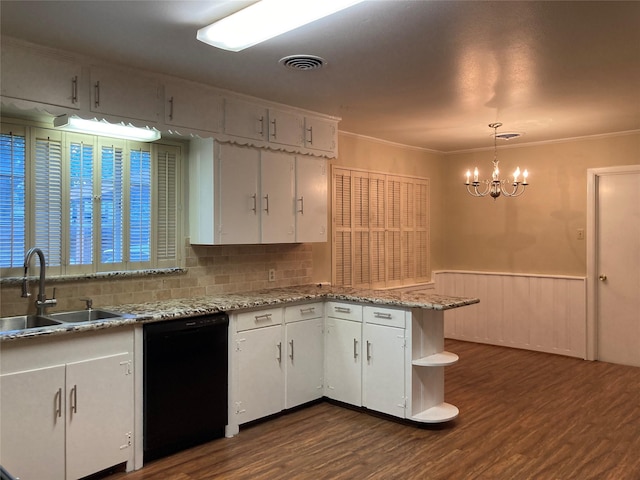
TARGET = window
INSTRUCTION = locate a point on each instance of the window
(381, 227)
(91, 203)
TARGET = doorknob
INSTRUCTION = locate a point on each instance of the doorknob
(602, 278)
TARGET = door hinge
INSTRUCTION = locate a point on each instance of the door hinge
(127, 367)
(128, 439)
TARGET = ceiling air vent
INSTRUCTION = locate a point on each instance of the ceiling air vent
(508, 135)
(303, 62)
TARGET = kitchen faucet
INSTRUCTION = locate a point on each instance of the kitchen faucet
(42, 302)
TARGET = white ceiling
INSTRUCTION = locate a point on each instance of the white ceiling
(430, 74)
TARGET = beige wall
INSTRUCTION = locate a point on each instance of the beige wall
(535, 233)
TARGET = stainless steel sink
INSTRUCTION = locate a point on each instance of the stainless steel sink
(84, 316)
(23, 322)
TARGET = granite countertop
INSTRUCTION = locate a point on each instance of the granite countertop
(190, 307)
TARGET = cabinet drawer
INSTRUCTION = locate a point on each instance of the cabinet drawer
(390, 317)
(258, 319)
(303, 312)
(347, 311)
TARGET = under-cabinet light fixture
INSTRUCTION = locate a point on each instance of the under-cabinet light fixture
(267, 19)
(105, 129)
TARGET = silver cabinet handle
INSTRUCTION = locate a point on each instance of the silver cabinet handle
(355, 349)
(73, 399)
(266, 197)
(603, 278)
(343, 309)
(57, 400)
(307, 310)
(291, 355)
(368, 351)
(74, 89)
(264, 316)
(171, 108)
(382, 315)
(310, 130)
(279, 352)
(96, 93)
(301, 200)
(261, 130)
(255, 203)
(274, 122)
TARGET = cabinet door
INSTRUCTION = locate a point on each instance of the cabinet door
(277, 187)
(192, 105)
(320, 134)
(311, 199)
(304, 362)
(32, 412)
(245, 119)
(45, 78)
(238, 204)
(343, 372)
(286, 128)
(259, 365)
(383, 369)
(124, 93)
(99, 414)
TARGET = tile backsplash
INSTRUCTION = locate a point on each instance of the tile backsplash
(209, 270)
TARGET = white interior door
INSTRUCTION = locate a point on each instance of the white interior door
(617, 272)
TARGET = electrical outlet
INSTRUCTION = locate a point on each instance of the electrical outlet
(272, 274)
(580, 234)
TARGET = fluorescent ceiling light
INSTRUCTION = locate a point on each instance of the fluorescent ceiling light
(106, 129)
(267, 19)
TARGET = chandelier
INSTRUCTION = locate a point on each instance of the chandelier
(496, 187)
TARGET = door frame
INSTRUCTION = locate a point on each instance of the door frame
(593, 175)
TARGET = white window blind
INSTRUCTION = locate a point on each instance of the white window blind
(47, 176)
(91, 204)
(380, 229)
(81, 202)
(140, 206)
(111, 203)
(12, 199)
(167, 203)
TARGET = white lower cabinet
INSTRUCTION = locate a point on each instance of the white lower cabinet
(69, 412)
(383, 372)
(258, 365)
(305, 354)
(343, 353)
(32, 423)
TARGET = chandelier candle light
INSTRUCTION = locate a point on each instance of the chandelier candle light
(496, 187)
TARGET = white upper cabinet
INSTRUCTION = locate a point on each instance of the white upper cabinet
(277, 195)
(125, 93)
(192, 105)
(39, 76)
(224, 202)
(311, 199)
(286, 128)
(245, 195)
(320, 134)
(280, 128)
(245, 119)
(239, 189)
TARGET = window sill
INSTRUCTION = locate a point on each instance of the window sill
(99, 276)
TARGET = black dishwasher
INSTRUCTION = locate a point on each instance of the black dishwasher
(185, 383)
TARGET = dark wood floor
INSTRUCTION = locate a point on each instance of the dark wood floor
(523, 415)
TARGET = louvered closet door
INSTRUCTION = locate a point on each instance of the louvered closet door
(421, 232)
(361, 200)
(378, 211)
(342, 247)
(394, 247)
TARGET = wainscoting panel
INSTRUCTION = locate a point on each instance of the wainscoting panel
(533, 312)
